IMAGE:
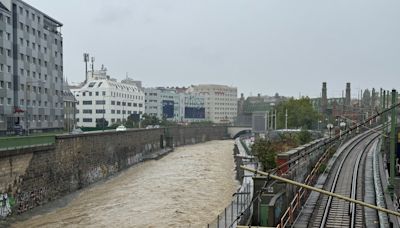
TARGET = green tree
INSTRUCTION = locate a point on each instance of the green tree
(150, 120)
(304, 137)
(101, 123)
(265, 153)
(130, 123)
(301, 113)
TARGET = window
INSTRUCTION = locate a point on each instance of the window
(100, 102)
(8, 52)
(97, 93)
(9, 85)
(112, 111)
(21, 26)
(22, 72)
(100, 111)
(87, 120)
(8, 20)
(112, 102)
(44, 36)
(9, 101)
(91, 84)
(87, 111)
(86, 102)
(8, 36)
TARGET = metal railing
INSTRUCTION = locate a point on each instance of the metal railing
(237, 210)
(301, 194)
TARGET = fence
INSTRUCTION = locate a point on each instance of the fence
(28, 141)
(237, 210)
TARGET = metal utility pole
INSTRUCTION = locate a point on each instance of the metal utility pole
(286, 115)
(86, 60)
(92, 67)
(393, 139)
(383, 120)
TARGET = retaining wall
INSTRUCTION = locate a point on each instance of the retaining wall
(30, 177)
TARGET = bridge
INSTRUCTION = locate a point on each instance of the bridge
(236, 131)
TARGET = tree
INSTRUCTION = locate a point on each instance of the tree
(150, 120)
(301, 113)
(263, 149)
(130, 123)
(101, 123)
(304, 137)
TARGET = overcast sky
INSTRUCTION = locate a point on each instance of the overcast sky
(259, 46)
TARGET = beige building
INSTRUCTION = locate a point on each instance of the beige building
(220, 102)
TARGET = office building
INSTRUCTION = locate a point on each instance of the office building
(220, 102)
(174, 104)
(105, 98)
(31, 69)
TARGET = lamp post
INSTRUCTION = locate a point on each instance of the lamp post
(342, 125)
(329, 126)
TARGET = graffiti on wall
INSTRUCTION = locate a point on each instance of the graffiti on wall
(6, 204)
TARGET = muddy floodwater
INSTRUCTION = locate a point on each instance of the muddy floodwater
(186, 188)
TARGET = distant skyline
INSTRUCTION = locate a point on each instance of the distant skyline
(259, 46)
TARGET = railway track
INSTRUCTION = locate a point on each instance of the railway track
(346, 179)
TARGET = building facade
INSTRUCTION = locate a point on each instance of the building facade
(220, 102)
(69, 108)
(105, 98)
(174, 104)
(31, 69)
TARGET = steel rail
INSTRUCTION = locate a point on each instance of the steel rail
(275, 177)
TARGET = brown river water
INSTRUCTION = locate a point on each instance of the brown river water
(186, 188)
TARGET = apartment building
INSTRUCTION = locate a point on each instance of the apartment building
(220, 102)
(31, 69)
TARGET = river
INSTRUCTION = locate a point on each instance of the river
(186, 188)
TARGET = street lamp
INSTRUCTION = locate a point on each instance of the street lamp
(329, 126)
(342, 125)
(26, 103)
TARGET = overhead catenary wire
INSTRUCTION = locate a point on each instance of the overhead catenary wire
(322, 191)
(334, 139)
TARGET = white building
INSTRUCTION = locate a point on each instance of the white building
(173, 105)
(102, 97)
(220, 102)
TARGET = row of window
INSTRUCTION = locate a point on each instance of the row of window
(33, 16)
(3, 50)
(113, 94)
(90, 120)
(28, 74)
(29, 88)
(6, 18)
(35, 46)
(40, 118)
(39, 103)
(118, 103)
(103, 111)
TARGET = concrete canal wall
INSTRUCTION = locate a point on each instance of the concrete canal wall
(30, 177)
